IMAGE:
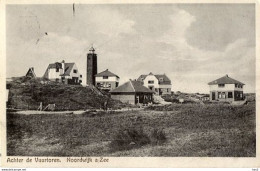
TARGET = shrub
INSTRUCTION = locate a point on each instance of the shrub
(128, 139)
(158, 136)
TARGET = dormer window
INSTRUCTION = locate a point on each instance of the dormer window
(238, 86)
(221, 85)
(161, 79)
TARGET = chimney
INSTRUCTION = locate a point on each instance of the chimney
(63, 66)
(226, 75)
(32, 68)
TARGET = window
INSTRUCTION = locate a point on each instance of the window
(236, 85)
(219, 95)
(221, 85)
(150, 82)
(75, 71)
(230, 95)
(240, 86)
(223, 95)
(80, 76)
(105, 77)
(161, 79)
(156, 89)
(57, 69)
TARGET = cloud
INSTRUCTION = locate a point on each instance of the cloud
(130, 40)
(110, 22)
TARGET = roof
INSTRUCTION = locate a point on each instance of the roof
(106, 73)
(132, 87)
(165, 79)
(30, 73)
(68, 68)
(225, 80)
(202, 95)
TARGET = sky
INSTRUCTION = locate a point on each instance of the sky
(193, 44)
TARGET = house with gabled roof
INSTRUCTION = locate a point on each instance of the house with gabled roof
(159, 83)
(62, 72)
(106, 80)
(226, 89)
(132, 92)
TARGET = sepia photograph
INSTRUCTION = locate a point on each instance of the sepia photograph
(131, 80)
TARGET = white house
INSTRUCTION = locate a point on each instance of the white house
(160, 84)
(106, 80)
(226, 89)
(66, 73)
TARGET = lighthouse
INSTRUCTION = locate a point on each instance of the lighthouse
(91, 66)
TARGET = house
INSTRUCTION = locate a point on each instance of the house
(106, 80)
(30, 73)
(202, 97)
(132, 92)
(226, 89)
(161, 84)
(62, 72)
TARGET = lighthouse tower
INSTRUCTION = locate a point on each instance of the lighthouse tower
(91, 66)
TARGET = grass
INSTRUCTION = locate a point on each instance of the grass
(175, 130)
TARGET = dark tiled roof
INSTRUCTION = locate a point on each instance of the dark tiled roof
(132, 87)
(68, 68)
(30, 73)
(106, 73)
(225, 80)
(55, 65)
(165, 79)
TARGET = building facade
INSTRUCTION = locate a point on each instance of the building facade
(66, 73)
(91, 67)
(132, 92)
(106, 80)
(160, 84)
(226, 89)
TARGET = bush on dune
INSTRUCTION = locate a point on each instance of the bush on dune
(28, 94)
(135, 138)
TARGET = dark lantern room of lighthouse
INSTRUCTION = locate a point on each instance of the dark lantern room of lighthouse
(91, 66)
